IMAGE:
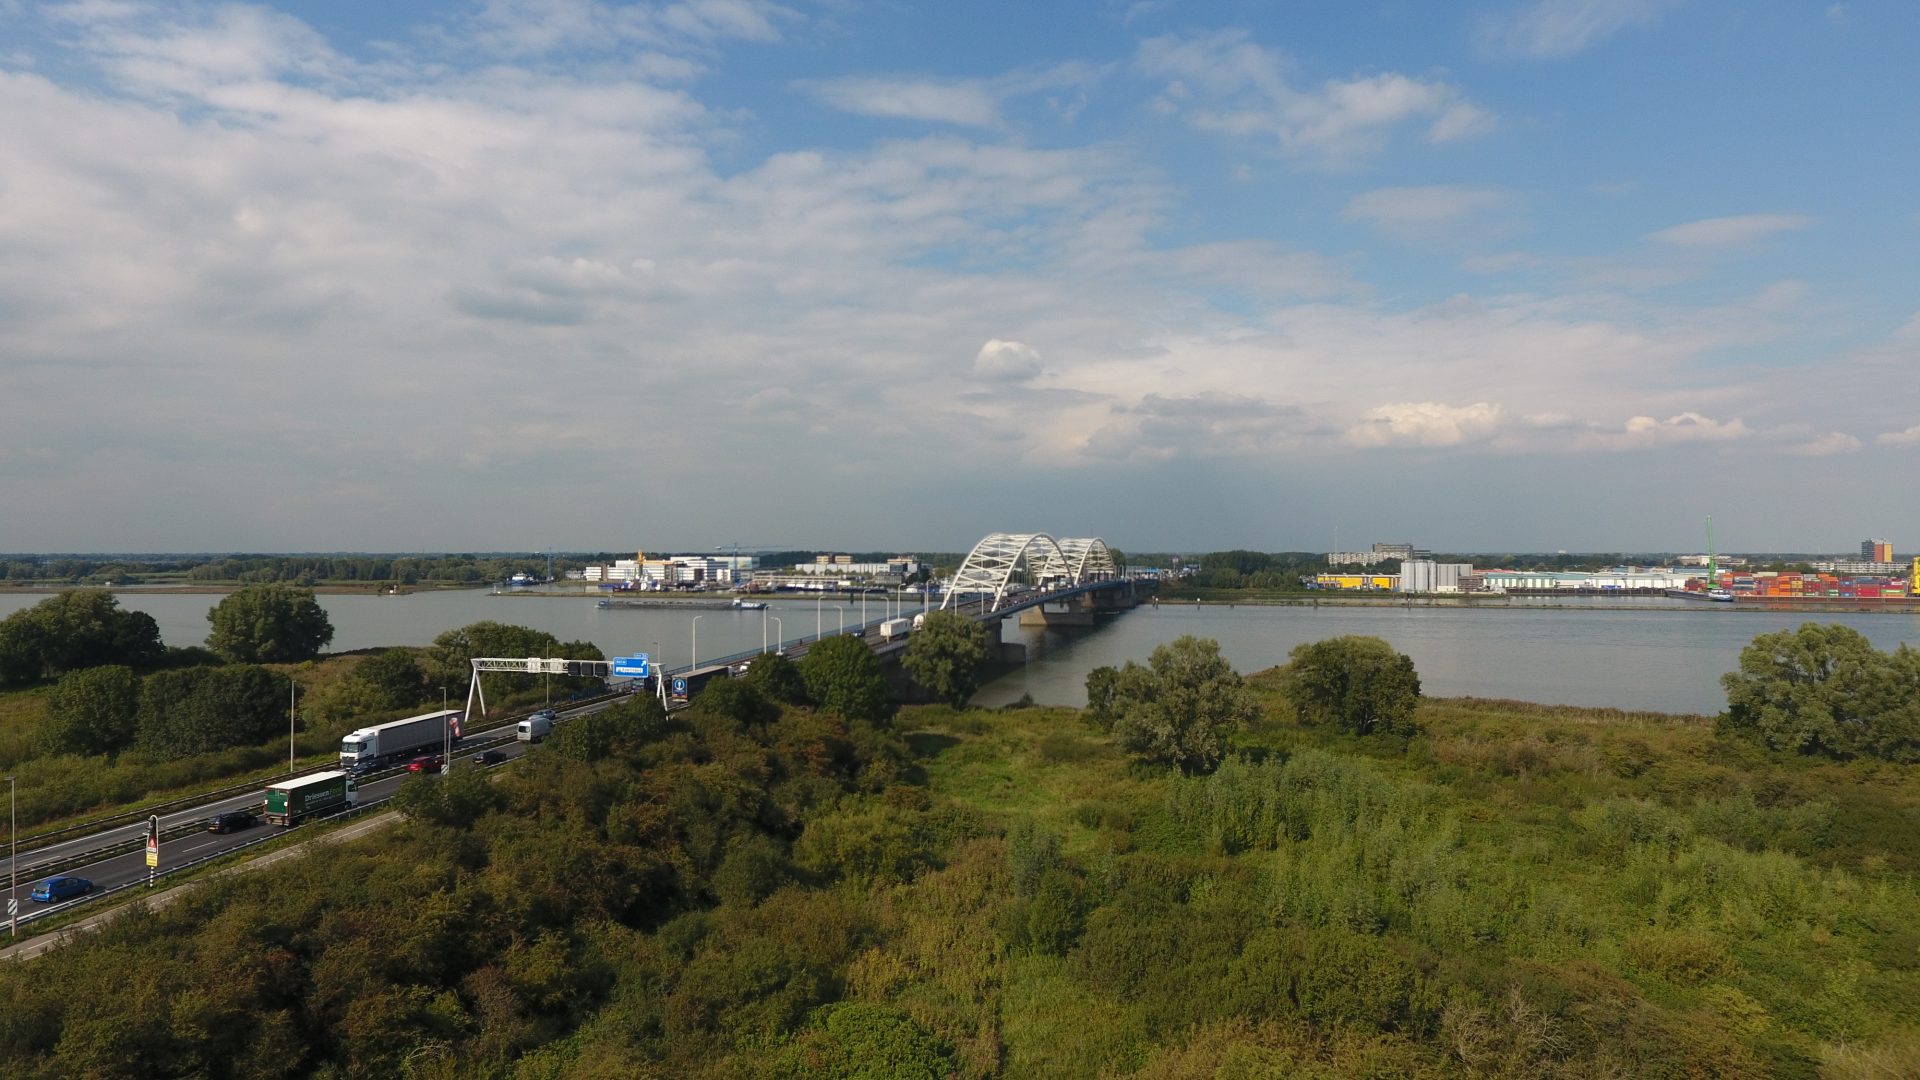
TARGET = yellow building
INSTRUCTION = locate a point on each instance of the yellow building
(1380, 582)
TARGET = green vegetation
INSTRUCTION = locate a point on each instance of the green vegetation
(947, 655)
(73, 630)
(1827, 690)
(1180, 709)
(1354, 682)
(105, 736)
(842, 674)
(1496, 890)
(272, 624)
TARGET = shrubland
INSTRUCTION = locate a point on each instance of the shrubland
(762, 888)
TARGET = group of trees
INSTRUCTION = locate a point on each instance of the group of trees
(73, 630)
(167, 714)
(1184, 705)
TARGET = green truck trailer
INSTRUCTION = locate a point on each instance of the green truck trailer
(294, 801)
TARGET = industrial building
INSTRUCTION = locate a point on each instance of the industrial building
(1427, 576)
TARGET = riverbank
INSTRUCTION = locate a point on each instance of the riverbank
(369, 588)
(1506, 602)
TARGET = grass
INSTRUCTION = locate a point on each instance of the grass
(1553, 868)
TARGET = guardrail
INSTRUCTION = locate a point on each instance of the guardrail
(174, 832)
(121, 819)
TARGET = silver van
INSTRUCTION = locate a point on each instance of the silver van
(535, 727)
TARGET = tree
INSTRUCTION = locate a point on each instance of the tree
(205, 710)
(391, 680)
(778, 679)
(842, 674)
(1356, 682)
(268, 624)
(1827, 690)
(72, 630)
(737, 700)
(1180, 709)
(946, 656)
(91, 711)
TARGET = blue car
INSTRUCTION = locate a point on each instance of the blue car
(61, 888)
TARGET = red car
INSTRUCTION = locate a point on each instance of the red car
(427, 764)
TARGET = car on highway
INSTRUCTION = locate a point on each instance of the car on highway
(430, 763)
(232, 821)
(489, 757)
(362, 768)
(64, 887)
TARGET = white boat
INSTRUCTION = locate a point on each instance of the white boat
(741, 604)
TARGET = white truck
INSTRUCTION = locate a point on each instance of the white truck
(399, 739)
(894, 628)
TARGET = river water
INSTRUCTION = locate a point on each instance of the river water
(1649, 654)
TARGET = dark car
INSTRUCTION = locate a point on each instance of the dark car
(431, 763)
(362, 768)
(489, 757)
(231, 821)
(61, 888)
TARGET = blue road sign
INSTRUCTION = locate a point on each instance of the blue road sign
(679, 688)
(635, 666)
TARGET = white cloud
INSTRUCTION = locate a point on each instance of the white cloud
(1226, 83)
(970, 103)
(1425, 423)
(1423, 211)
(1834, 442)
(965, 102)
(1545, 29)
(1642, 432)
(1909, 437)
(999, 359)
(1724, 232)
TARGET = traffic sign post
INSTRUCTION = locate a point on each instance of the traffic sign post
(679, 688)
(635, 667)
(153, 847)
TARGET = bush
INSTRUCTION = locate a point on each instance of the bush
(91, 711)
(72, 630)
(1354, 682)
(1827, 690)
(202, 710)
(737, 700)
(1179, 709)
(778, 679)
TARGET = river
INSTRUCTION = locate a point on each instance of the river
(1658, 655)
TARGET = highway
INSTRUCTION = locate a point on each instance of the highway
(116, 858)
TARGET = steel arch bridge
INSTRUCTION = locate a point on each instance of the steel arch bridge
(991, 567)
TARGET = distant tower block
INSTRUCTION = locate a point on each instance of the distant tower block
(1880, 551)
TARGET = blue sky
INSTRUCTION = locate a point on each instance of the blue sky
(1528, 274)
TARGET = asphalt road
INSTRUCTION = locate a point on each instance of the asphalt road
(129, 867)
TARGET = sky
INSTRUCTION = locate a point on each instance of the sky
(578, 275)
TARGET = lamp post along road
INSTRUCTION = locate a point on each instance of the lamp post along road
(694, 649)
(13, 863)
(780, 634)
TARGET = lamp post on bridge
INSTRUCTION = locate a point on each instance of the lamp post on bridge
(695, 648)
(780, 634)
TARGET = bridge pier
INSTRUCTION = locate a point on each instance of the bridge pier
(1072, 612)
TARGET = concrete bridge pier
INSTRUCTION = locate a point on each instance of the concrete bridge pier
(1006, 652)
(1073, 611)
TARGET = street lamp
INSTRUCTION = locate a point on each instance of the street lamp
(763, 631)
(292, 686)
(780, 632)
(13, 863)
(842, 616)
(818, 625)
(695, 649)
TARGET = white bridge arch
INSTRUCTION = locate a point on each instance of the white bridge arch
(990, 567)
